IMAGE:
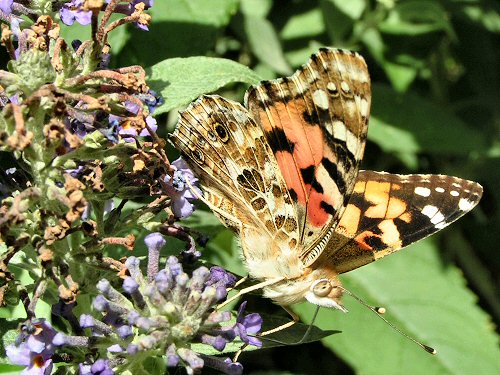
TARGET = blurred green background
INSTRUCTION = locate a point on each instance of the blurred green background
(436, 109)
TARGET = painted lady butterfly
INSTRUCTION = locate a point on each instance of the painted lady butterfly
(283, 172)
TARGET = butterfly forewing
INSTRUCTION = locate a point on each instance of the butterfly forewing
(387, 212)
(315, 123)
(238, 172)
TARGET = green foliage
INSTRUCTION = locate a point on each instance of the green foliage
(181, 80)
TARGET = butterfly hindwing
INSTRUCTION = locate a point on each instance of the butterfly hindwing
(387, 212)
(315, 123)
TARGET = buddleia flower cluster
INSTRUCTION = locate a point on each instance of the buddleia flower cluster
(78, 143)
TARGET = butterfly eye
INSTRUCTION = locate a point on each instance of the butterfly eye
(322, 288)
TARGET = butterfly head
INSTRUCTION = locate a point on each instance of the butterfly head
(326, 293)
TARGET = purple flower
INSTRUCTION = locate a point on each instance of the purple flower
(218, 342)
(35, 349)
(164, 314)
(6, 6)
(172, 357)
(220, 277)
(151, 99)
(129, 8)
(126, 130)
(154, 241)
(73, 11)
(232, 368)
(226, 366)
(179, 190)
(249, 324)
(99, 367)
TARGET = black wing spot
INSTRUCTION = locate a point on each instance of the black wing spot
(334, 174)
(221, 132)
(328, 208)
(197, 156)
(375, 242)
(278, 141)
(311, 118)
(308, 174)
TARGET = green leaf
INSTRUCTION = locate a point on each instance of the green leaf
(289, 336)
(401, 76)
(408, 123)
(303, 25)
(181, 80)
(353, 8)
(415, 18)
(11, 369)
(258, 8)
(209, 12)
(337, 22)
(428, 301)
(299, 332)
(178, 28)
(487, 16)
(265, 44)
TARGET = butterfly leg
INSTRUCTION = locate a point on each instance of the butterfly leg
(294, 316)
(249, 289)
(238, 283)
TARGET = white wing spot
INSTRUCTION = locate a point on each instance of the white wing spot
(341, 132)
(456, 185)
(465, 204)
(422, 191)
(320, 98)
(344, 86)
(433, 213)
(430, 211)
(363, 107)
(239, 137)
(331, 86)
(454, 193)
(439, 189)
(441, 225)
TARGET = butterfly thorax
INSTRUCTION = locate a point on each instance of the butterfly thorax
(270, 258)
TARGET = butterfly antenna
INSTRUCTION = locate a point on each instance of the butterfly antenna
(381, 310)
(309, 328)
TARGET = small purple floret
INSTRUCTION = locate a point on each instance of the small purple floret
(73, 11)
(179, 190)
(249, 324)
